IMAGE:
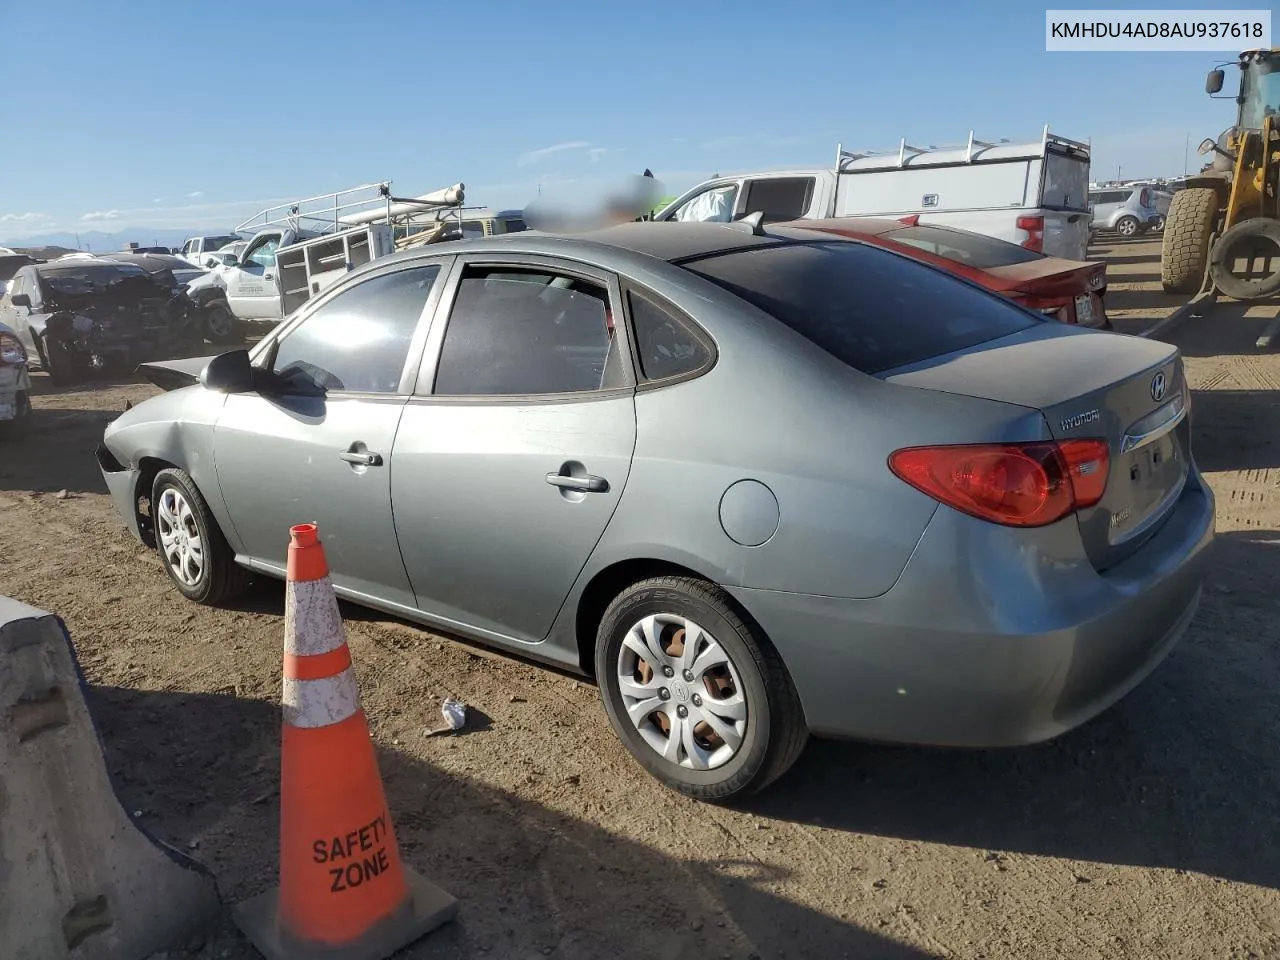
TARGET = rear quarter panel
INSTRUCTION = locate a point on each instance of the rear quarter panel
(777, 410)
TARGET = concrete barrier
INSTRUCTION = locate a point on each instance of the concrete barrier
(79, 879)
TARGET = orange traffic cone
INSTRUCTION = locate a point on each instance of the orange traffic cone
(344, 892)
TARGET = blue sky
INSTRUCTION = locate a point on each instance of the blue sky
(192, 114)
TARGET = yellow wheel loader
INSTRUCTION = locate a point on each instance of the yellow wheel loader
(1223, 227)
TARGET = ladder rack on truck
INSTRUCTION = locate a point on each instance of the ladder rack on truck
(356, 206)
(322, 238)
(972, 151)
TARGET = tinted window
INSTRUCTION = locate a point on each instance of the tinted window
(513, 332)
(782, 198)
(515, 226)
(359, 340)
(665, 347)
(870, 308)
(971, 249)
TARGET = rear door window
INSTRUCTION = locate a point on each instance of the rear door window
(971, 249)
(869, 308)
(780, 198)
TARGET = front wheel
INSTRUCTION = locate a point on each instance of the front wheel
(220, 324)
(57, 361)
(699, 696)
(195, 554)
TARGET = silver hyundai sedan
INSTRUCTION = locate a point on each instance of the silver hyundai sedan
(758, 482)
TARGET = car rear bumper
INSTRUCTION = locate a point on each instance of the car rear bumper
(985, 641)
(122, 484)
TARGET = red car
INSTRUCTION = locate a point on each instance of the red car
(1069, 290)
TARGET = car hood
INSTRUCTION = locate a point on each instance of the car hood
(173, 374)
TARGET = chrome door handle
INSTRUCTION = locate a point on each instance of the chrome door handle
(268, 276)
(587, 484)
(363, 459)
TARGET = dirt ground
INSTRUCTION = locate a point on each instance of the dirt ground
(1150, 832)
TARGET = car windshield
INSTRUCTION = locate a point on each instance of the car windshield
(970, 249)
(872, 309)
(90, 278)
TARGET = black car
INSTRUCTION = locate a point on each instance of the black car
(77, 317)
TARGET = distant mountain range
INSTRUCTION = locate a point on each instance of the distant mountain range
(98, 241)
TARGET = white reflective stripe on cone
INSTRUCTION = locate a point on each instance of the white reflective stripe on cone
(312, 623)
(320, 703)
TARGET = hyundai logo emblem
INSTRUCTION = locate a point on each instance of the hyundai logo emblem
(1158, 387)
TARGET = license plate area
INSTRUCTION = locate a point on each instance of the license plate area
(1148, 480)
(1084, 308)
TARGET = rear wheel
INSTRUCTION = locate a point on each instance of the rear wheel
(195, 554)
(698, 695)
(1184, 252)
(1128, 226)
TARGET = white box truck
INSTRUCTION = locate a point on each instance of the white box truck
(1033, 193)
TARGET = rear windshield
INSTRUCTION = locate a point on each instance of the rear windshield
(971, 249)
(869, 308)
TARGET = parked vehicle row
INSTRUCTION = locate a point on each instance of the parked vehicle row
(726, 469)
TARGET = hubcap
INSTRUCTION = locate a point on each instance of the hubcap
(682, 692)
(180, 541)
(1127, 228)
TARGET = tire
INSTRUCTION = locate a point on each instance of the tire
(1188, 226)
(57, 362)
(1258, 232)
(19, 425)
(774, 732)
(1128, 227)
(220, 577)
(221, 325)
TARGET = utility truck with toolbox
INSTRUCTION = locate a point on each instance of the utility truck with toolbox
(298, 249)
(1032, 193)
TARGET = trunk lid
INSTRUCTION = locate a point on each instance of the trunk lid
(1129, 391)
(1051, 277)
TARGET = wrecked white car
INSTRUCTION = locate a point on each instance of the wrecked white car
(15, 384)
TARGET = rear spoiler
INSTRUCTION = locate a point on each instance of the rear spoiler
(174, 374)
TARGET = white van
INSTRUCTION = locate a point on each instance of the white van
(1033, 193)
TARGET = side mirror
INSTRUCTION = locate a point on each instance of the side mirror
(1206, 146)
(1213, 82)
(21, 300)
(229, 373)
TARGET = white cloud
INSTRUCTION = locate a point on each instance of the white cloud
(595, 153)
(98, 215)
(195, 193)
(22, 217)
(534, 156)
(158, 200)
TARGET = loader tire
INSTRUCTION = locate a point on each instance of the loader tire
(1184, 252)
(1259, 239)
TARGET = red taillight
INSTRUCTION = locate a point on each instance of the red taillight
(1015, 484)
(1034, 227)
(911, 219)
